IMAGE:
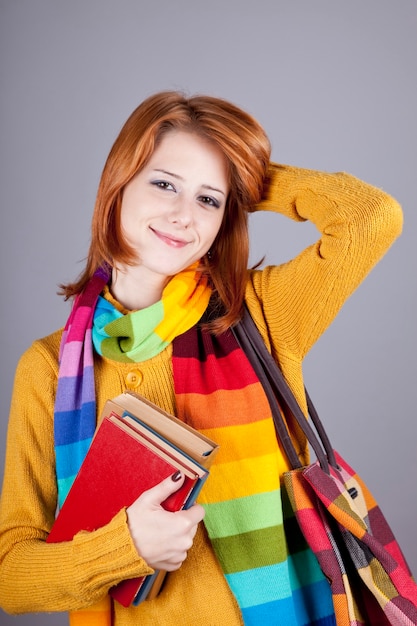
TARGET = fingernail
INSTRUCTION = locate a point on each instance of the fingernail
(177, 476)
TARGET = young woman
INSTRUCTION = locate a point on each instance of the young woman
(165, 280)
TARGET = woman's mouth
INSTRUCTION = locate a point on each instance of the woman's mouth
(170, 240)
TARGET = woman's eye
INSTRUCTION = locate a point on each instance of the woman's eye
(210, 201)
(163, 184)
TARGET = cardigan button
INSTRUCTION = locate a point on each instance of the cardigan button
(134, 379)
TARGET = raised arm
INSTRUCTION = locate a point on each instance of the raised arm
(357, 224)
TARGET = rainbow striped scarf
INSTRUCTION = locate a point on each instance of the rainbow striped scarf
(133, 337)
(275, 581)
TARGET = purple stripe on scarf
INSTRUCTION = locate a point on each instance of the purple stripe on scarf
(73, 393)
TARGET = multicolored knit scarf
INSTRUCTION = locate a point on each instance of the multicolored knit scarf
(216, 392)
(126, 338)
(275, 578)
(133, 337)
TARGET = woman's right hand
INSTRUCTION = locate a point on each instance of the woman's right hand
(162, 538)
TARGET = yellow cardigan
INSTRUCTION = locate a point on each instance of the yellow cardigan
(292, 304)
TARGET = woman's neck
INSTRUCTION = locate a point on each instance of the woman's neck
(135, 289)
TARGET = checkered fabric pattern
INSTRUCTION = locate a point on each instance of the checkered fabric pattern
(344, 526)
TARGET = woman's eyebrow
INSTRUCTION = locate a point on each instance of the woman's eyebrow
(178, 177)
(214, 189)
(157, 169)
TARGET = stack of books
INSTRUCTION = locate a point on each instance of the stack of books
(136, 446)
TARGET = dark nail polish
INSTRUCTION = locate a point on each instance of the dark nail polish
(177, 476)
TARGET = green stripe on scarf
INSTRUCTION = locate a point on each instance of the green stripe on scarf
(140, 335)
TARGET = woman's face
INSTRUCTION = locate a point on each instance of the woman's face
(173, 208)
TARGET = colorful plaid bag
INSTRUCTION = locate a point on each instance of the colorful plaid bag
(338, 517)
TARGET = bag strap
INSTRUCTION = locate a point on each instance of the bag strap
(279, 395)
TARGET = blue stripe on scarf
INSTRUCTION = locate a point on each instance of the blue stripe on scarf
(291, 611)
(260, 585)
(68, 456)
(303, 569)
(314, 604)
(64, 485)
(295, 609)
(67, 433)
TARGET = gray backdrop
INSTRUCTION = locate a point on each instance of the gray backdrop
(334, 84)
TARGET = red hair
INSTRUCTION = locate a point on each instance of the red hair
(247, 151)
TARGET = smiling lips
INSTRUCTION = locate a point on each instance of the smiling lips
(174, 242)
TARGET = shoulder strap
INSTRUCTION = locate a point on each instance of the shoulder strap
(279, 395)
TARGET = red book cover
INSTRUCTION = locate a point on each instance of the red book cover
(117, 469)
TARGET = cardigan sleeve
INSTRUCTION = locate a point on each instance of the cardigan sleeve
(34, 575)
(295, 302)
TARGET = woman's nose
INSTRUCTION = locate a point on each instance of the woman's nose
(182, 212)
